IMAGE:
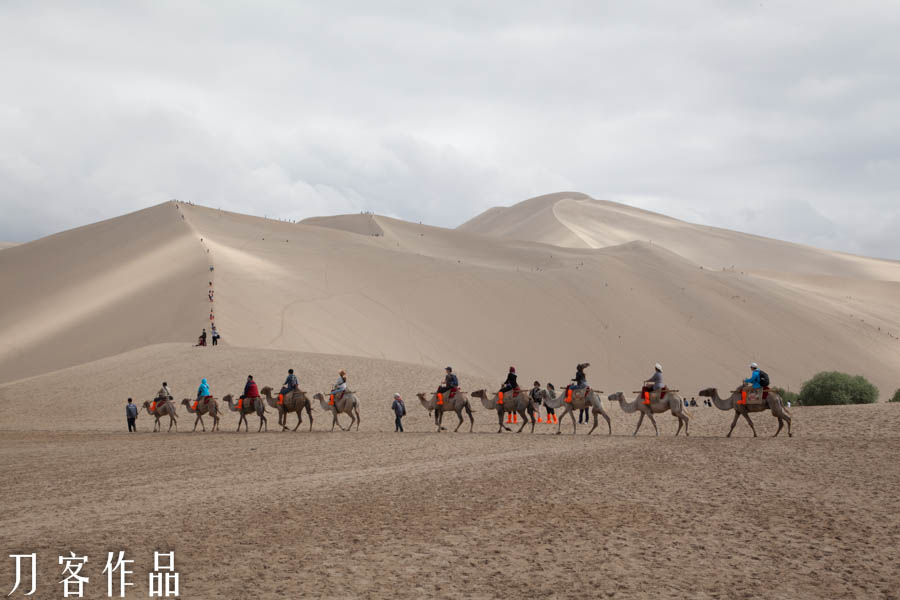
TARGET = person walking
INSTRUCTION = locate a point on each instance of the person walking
(399, 409)
(131, 412)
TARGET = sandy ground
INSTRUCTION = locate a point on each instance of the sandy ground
(382, 515)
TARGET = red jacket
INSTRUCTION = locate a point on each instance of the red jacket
(251, 390)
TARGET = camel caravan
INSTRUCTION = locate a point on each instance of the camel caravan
(654, 398)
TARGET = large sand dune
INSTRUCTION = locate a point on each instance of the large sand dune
(370, 286)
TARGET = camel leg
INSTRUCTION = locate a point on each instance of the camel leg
(640, 420)
(437, 420)
(299, 419)
(780, 425)
(608, 422)
(533, 420)
(471, 418)
(595, 424)
(566, 409)
(458, 416)
(737, 416)
(747, 416)
(521, 413)
(309, 414)
(171, 422)
(788, 419)
(574, 427)
(202, 424)
(500, 412)
(677, 431)
(652, 420)
(240, 420)
(196, 420)
(356, 410)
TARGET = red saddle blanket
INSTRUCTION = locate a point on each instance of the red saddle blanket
(440, 395)
(648, 391)
(570, 391)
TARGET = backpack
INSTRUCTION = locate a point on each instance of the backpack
(763, 378)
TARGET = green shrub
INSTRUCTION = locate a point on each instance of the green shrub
(792, 397)
(831, 387)
(896, 397)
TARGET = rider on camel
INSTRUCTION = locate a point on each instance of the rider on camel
(654, 383)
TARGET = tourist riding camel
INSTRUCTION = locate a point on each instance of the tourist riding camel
(454, 401)
(203, 391)
(660, 402)
(158, 409)
(769, 401)
(347, 403)
(573, 401)
(201, 407)
(290, 384)
(246, 406)
(758, 381)
(653, 384)
(450, 384)
(295, 401)
(164, 394)
(340, 386)
(508, 403)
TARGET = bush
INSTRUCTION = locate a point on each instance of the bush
(831, 387)
(896, 397)
(792, 397)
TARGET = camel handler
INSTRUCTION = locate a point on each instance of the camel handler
(290, 384)
(339, 387)
(538, 399)
(654, 383)
(451, 381)
(757, 381)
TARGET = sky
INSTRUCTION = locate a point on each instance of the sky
(774, 118)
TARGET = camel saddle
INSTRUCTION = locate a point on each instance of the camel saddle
(657, 394)
(500, 395)
(572, 393)
(754, 397)
(332, 398)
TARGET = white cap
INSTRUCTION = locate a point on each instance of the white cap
(658, 367)
(397, 396)
(754, 366)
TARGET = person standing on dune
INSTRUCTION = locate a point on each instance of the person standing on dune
(131, 413)
(399, 409)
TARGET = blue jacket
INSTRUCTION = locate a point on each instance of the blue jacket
(203, 390)
(754, 379)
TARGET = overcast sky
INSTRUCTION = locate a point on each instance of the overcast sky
(780, 118)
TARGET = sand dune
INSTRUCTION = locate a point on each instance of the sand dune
(4, 245)
(432, 296)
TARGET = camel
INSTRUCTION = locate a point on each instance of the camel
(672, 402)
(456, 404)
(521, 404)
(346, 403)
(296, 401)
(579, 400)
(249, 406)
(211, 407)
(773, 402)
(162, 409)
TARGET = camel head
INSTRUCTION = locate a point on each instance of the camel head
(266, 391)
(227, 398)
(617, 397)
(424, 400)
(479, 394)
(707, 392)
(318, 396)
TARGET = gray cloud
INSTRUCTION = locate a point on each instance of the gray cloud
(776, 119)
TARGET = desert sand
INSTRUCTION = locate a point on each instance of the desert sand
(109, 311)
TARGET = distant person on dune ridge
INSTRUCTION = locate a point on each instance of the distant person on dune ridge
(131, 413)
(215, 334)
(399, 409)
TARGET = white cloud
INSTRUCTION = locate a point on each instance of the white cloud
(778, 119)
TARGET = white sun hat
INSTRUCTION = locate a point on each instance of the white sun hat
(658, 367)
(754, 366)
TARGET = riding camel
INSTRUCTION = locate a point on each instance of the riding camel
(520, 404)
(245, 407)
(672, 401)
(200, 408)
(457, 404)
(346, 403)
(294, 401)
(161, 408)
(772, 402)
(580, 400)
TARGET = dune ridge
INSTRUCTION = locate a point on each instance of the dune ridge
(480, 298)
